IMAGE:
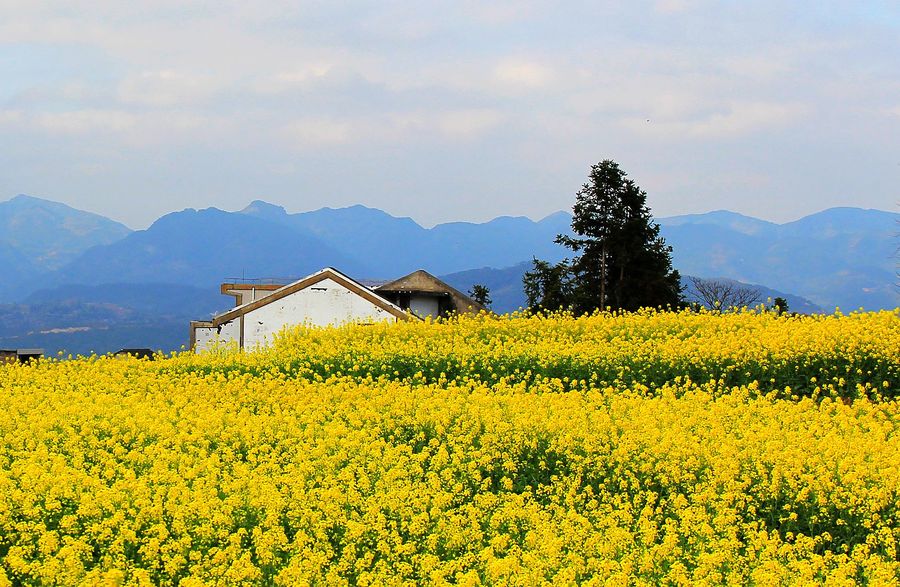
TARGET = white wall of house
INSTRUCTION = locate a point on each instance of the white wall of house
(325, 303)
(230, 332)
(204, 336)
(245, 295)
(423, 306)
(208, 337)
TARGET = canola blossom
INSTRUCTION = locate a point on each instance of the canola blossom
(850, 356)
(640, 449)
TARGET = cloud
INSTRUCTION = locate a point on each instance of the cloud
(298, 77)
(535, 90)
(85, 121)
(316, 132)
(501, 12)
(168, 88)
(392, 128)
(738, 119)
(527, 74)
(675, 6)
(116, 127)
(11, 118)
(467, 124)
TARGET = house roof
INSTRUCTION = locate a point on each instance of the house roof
(236, 290)
(327, 273)
(227, 287)
(423, 282)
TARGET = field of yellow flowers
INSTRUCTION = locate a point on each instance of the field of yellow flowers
(628, 449)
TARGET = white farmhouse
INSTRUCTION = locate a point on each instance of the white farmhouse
(327, 297)
(424, 295)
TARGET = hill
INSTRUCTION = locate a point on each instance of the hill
(843, 257)
(394, 246)
(50, 234)
(839, 257)
(201, 248)
(81, 319)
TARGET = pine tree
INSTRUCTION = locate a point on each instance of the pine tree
(548, 287)
(481, 294)
(622, 262)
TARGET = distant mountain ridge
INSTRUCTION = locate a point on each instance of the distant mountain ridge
(108, 317)
(395, 246)
(38, 236)
(201, 248)
(841, 256)
(51, 234)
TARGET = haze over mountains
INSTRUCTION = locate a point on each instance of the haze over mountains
(839, 257)
(49, 234)
(394, 246)
(843, 257)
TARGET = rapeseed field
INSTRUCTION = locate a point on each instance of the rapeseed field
(624, 449)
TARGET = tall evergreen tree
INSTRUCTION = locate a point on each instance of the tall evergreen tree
(481, 294)
(621, 260)
(548, 287)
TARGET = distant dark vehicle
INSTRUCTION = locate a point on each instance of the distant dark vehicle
(136, 353)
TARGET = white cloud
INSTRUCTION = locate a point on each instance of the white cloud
(500, 12)
(675, 6)
(85, 121)
(309, 132)
(11, 118)
(90, 169)
(298, 77)
(168, 88)
(551, 85)
(523, 73)
(467, 124)
(116, 127)
(391, 128)
(738, 119)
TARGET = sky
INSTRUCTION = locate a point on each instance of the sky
(447, 111)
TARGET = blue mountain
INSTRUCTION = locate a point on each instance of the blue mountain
(50, 234)
(397, 245)
(88, 283)
(843, 257)
(202, 248)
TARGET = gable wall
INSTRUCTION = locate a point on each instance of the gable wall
(322, 304)
(206, 338)
(423, 306)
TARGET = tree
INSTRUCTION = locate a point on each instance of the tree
(623, 262)
(481, 294)
(548, 287)
(780, 305)
(724, 294)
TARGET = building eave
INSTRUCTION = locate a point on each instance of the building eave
(327, 273)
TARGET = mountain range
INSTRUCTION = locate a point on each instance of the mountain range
(53, 254)
(50, 234)
(844, 257)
